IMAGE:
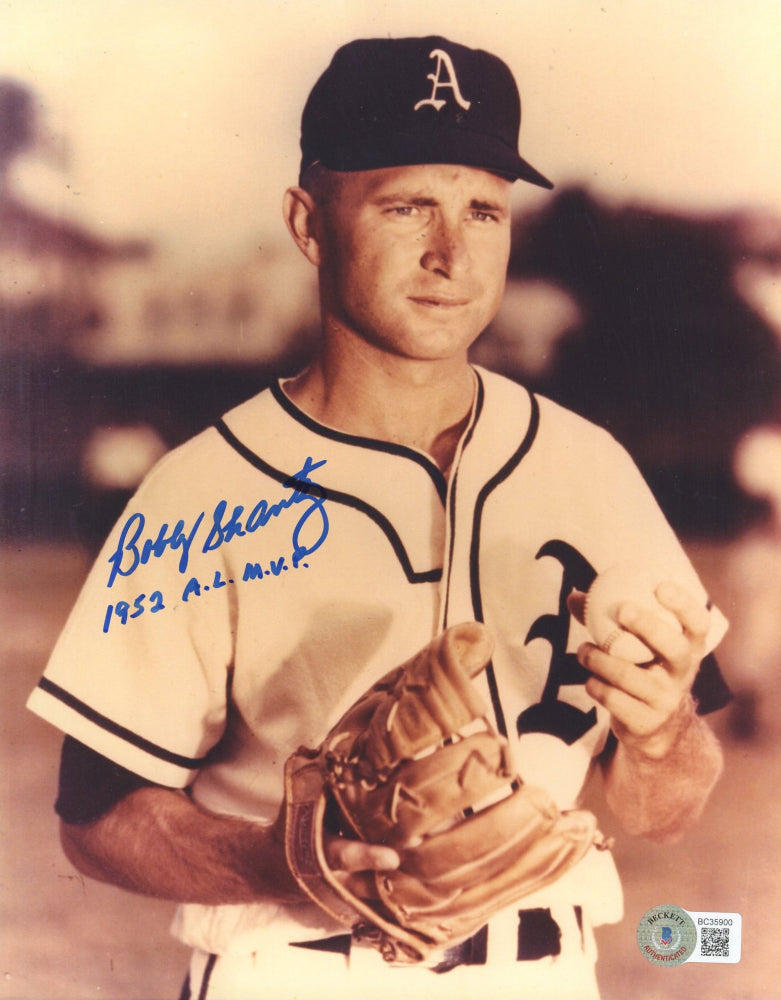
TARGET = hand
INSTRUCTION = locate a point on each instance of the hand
(650, 706)
(345, 854)
(359, 861)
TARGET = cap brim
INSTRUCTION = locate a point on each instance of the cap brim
(440, 145)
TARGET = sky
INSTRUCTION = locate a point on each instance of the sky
(177, 120)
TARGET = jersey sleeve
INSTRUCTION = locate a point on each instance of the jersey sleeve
(141, 670)
(633, 528)
(89, 784)
(710, 689)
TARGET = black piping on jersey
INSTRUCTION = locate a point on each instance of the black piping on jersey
(474, 556)
(479, 399)
(335, 496)
(192, 763)
(203, 993)
(439, 481)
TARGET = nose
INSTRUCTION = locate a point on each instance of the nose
(445, 249)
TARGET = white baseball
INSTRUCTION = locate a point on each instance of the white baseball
(622, 583)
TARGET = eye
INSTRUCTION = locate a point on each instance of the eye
(480, 216)
(403, 211)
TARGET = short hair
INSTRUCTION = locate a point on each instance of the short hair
(321, 183)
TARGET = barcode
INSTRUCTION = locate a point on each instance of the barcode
(718, 936)
(714, 942)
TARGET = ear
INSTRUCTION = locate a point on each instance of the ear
(299, 209)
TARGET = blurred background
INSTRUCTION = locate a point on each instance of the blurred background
(147, 284)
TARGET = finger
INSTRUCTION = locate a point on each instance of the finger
(639, 699)
(576, 603)
(640, 683)
(638, 723)
(663, 635)
(693, 614)
(626, 711)
(343, 854)
(631, 720)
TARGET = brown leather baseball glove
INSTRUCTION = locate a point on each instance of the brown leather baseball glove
(415, 764)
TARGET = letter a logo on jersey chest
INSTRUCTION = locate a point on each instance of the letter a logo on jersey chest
(450, 81)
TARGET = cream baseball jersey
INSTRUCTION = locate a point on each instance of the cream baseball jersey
(270, 569)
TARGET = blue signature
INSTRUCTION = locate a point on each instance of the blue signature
(310, 531)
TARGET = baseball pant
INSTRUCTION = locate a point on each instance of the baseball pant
(551, 957)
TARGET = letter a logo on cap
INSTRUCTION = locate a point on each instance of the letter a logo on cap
(452, 81)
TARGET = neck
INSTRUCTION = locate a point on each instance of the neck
(420, 404)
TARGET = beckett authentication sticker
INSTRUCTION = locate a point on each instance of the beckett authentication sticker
(667, 935)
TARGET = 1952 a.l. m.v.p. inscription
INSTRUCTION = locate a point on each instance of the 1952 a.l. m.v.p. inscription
(136, 546)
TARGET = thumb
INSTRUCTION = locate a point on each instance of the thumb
(576, 603)
(343, 854)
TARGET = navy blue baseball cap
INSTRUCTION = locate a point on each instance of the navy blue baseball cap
(391, 102)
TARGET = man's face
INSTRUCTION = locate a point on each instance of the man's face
(414, 259)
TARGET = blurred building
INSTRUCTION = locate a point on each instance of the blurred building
(48, 266)
(663, 327)
(108, 356)
(255, 311)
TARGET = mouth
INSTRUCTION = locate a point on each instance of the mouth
(438, 301)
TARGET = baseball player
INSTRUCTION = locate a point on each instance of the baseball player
(274, 569)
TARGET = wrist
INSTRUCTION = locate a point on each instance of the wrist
(668, 739)
(273, 872)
